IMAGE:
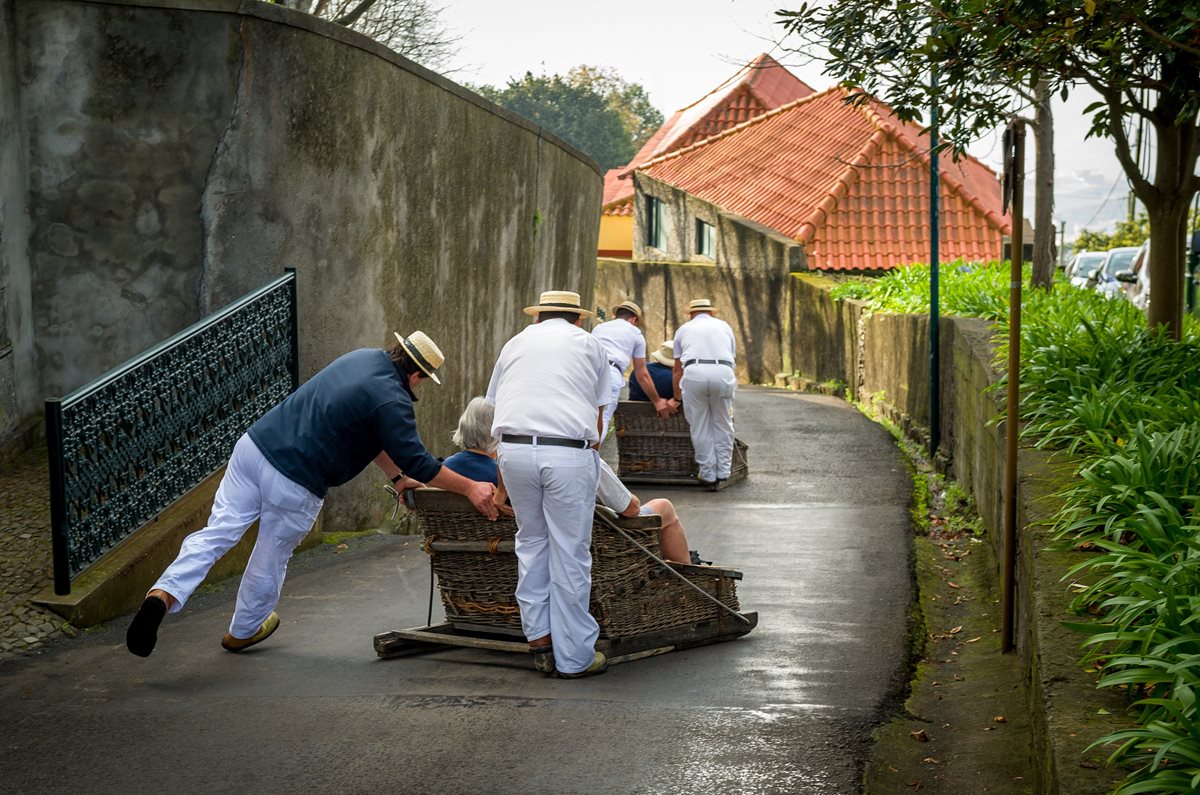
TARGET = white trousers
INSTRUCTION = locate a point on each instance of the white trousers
(616, 382)
(251, 489)
(708, 401)
(553, 493)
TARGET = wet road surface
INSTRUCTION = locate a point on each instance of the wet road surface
(819, 530)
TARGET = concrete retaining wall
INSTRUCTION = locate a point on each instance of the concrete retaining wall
(885, 358)
(162, 158)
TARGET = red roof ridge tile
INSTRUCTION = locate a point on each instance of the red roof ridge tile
(839, 189)
(890, 124)
(617, 206)
(724, 133)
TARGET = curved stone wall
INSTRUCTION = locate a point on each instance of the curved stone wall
(176, 154)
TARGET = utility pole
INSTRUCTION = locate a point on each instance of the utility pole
(1062, 244)
(935, 409)
(1014, 193)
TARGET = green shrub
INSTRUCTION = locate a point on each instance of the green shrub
(967, 289)
(1126, 403)
(857, 289)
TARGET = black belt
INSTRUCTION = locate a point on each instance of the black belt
(690, 362)
(552, 441)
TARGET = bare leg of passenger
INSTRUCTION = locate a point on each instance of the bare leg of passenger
(671, 538)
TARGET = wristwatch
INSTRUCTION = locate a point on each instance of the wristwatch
(397, 478)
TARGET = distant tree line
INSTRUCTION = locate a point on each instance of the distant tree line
(592, 108)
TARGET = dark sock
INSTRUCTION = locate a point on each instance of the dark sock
(143, 630)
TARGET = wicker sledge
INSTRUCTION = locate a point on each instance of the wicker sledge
(644, 606)
(654, 450)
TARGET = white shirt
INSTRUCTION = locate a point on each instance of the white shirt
(549, 381)
(622, 342)
(610, 491)
(704, 337)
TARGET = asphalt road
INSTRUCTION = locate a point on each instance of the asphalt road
(819, 530)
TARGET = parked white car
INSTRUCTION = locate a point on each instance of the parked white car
(1083, 266)
(1135, 280)
(1104, 279)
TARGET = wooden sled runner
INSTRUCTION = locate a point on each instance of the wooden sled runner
(653, 450)
(644, 607)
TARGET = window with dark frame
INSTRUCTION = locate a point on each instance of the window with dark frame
(706, 239)
(655, 223)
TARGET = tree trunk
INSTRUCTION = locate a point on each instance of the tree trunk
(1043, 189)
(1168, 226)
(1168, 198)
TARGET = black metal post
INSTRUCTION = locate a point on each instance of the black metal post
(935, 409)
(58, 498)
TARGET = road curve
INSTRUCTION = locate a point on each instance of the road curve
(820, 530)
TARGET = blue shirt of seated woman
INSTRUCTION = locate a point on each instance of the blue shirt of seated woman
(473, 465)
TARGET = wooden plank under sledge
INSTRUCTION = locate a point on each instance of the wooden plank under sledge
(421, 640)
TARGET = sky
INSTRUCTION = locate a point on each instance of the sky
(681, 49)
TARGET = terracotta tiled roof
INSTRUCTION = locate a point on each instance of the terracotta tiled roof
(759, 86)
(621, 207)
(849, 181)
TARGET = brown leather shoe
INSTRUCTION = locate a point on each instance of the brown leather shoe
(230, 643)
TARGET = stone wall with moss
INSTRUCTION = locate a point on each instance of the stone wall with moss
(178, 154)
(823, 340)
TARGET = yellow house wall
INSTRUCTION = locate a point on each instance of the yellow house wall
(616, 233)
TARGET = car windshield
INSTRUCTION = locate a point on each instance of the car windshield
(1086, 262)
(1120, 260)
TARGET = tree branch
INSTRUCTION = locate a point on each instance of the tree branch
(1164, 39)
(1116, 129)
(350, 17)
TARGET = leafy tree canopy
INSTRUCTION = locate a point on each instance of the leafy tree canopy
(1142, 58)
(1127, 233)
(580, 115)
(639, 116)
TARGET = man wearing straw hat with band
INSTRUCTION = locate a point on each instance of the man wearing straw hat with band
(704, 359)
(357, 410)
(549, 387)
(623, 343)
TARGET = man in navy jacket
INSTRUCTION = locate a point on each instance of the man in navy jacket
(357, 410)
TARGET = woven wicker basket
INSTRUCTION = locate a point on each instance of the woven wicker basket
(654, 450)
(631, 593)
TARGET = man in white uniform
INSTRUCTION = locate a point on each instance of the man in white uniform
(623, 343)
(549, 388)
(704, 357)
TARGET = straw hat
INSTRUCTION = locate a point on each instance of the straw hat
(665, 353)
(701, 305)
(630, 305)
(558, 301)
(422, 350)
